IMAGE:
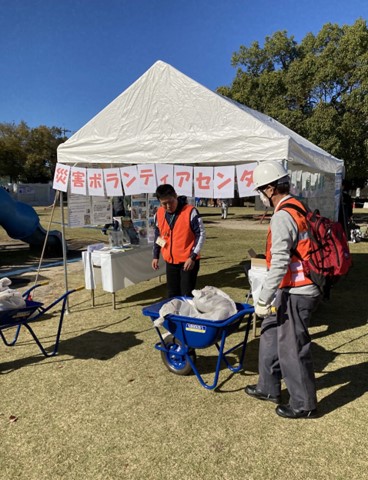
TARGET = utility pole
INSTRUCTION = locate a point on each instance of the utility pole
(64, 130)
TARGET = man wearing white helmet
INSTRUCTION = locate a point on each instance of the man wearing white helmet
(284, 350)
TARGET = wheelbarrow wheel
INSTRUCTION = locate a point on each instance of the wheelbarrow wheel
(174, 360)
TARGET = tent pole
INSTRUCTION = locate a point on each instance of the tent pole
(64, 249)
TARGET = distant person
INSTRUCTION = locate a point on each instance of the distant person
(224, 208)
(346, 210)
(179, 237)
(118, 210)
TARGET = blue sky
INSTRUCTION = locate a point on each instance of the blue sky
(62, 61)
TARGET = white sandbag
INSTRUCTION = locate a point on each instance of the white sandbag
(256, 277)
(210, 303)
(176, 306)
(10, 299)
(4, 283)
(213, 303)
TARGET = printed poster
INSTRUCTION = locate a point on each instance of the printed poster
(85, 210)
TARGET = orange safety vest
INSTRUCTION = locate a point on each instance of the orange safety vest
(180, 239)
(294, 276)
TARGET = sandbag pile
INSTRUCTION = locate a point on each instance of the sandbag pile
(209, 303)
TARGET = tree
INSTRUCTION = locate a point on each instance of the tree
(29, 154)
(318, 88)
(12, 155)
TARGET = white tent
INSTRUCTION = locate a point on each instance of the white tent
(166, 117)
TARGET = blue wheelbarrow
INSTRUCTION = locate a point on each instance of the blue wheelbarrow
(31, 312)
(185, 335)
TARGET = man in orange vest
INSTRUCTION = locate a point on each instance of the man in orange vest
(179, 237)
(286, 302)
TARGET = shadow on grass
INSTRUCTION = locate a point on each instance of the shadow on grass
(353, 381)
(94, 344)
(348, 306)
(99, 345)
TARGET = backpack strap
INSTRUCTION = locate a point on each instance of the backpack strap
(300, 210)
(295, 207)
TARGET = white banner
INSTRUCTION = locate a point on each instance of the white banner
(61, 177)
(95, 182)
(244, 175)
(78, 180)
(113, 182)
(164, 174)
(203, 182)
(183, 180)
(208, 182)
(224, 182)
(147, 178)
(129, 176)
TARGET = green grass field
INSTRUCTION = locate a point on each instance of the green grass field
(107, 408)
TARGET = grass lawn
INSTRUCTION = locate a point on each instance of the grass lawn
(107, 408)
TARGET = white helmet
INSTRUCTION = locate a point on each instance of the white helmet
(268, 172)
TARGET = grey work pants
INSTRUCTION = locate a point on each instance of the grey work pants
(285, 350)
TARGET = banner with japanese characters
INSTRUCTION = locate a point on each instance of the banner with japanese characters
(113, 182)
(147, 178)
(61, 177)
(203, 182)
(95, 182)
(183, 180)
(78, 180)
(200, 181)
(223, 182)
(164, 174)
(129, 176)
(244, 175)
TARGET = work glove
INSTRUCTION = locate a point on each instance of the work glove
(262, 310)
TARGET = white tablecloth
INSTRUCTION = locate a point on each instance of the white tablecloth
(116, 269)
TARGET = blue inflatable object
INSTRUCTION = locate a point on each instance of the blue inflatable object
(21, 222)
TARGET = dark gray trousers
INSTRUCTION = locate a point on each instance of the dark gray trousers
(285, 350)
(180, 282)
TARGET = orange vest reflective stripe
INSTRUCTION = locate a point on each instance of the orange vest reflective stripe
(294, 276)
(179, 240)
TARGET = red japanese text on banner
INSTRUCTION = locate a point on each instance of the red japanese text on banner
(78, 180)
(129, 177)
(203, 182)
(95, 181)
(147, 178)
(244, 175)
(113, 185)
(61, 177)
(224, 182)
(183, 180)
(164, 174)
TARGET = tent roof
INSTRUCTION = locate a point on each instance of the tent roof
(166, 117)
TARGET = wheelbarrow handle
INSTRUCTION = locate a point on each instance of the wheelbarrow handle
(27, 292)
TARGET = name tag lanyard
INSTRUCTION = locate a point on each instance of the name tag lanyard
(171, 222)
(161, 240)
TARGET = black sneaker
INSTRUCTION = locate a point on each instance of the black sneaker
(286, 411)
(252, 391)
